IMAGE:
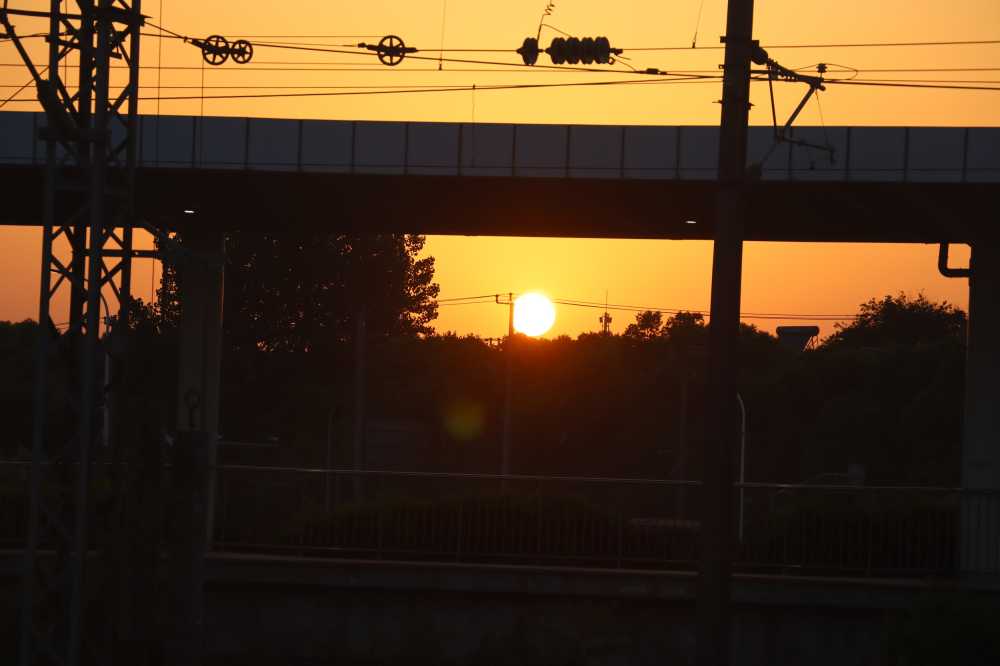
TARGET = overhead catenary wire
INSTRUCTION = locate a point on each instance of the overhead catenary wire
(442, 89)
(531, 86)
(439, 59)
(843, 45)
(688, 47)
(344, 86)
(676, 75)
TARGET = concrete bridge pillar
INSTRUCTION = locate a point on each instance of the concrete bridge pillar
(200, 286)
(979, 551)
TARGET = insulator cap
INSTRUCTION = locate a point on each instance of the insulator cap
(529, 51)
(557, 51)
(586, 50)
(572, 50)
(602, 50)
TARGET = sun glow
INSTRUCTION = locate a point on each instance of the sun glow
(534, 314)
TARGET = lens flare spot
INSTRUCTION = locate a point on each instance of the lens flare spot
(464, 420)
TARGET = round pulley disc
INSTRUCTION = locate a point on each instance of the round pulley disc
(391, 50)
(242, 51)
(215, 49)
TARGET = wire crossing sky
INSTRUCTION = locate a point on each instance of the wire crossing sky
(889, 57)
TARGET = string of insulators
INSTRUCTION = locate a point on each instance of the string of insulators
(570, 51)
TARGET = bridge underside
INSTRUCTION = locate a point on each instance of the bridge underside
(230, 200)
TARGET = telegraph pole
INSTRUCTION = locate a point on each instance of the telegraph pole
(717, 543)
(508, 353)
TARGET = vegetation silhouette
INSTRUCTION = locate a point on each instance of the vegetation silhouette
(883, 392)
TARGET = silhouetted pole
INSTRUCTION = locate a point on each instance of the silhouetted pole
(722, 429)
(329, 460)
(509, 358)
(743, 461)
(359, 400)
(200, 282)
(979, 549)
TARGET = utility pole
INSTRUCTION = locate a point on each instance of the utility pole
(722, 431)
(360, 339)
(508, 353)
(91, 137)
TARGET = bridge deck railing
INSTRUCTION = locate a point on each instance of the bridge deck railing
(880, 531)
(832, 530)
(883, 154)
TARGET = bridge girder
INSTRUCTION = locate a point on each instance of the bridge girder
(228, 200)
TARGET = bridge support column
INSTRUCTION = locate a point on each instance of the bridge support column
(200, 287)
(979, 550)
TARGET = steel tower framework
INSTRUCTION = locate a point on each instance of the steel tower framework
(90, 136)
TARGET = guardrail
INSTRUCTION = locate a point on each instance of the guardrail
(830, 530)
(628, 523)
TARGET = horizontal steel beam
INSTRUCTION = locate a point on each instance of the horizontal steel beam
(231, 200)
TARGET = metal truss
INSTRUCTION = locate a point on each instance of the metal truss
(86, 254)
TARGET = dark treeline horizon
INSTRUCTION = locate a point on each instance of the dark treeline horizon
(883, 395)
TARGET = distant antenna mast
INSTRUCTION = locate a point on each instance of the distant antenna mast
(605, 318)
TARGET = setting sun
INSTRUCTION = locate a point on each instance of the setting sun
(534, 314)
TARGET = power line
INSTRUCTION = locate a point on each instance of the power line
(351, 66)
(619, 307)
(443, 89)
(704, 313)
(307, 36)
(467, 298)
(968, 42)
(932, 86)
(465, 61)
(310, 86)
(353, 91)
(361, 50)
(833, 45)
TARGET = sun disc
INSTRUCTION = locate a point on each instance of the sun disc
(534, 314)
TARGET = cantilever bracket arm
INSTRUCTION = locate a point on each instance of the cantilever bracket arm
(783, 134)
(945, 269)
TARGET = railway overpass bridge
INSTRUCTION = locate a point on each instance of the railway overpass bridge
(884, 184)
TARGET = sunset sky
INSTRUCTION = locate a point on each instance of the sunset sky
(779, 278)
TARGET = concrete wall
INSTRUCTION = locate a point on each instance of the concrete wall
(275, 625)
(286, 611)
(307, 612)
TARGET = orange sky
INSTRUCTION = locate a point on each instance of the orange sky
(778, 277)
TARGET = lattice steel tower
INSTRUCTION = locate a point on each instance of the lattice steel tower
(88, 211)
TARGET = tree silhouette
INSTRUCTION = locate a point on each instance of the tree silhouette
(296, 292)
(686, 329)
(648, 325)
(900, 320)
